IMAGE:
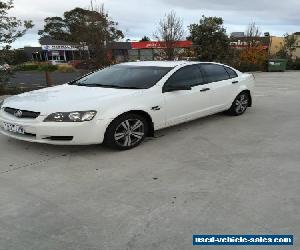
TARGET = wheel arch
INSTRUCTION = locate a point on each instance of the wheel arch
(249, 94)
(143, 113)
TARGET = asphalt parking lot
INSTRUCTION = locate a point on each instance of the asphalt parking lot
(215, 175)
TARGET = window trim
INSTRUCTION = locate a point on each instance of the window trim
(236, 74)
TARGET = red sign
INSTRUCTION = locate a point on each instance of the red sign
(160, 45)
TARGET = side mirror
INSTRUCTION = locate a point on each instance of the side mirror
(176, 88)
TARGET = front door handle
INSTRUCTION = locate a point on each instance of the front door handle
(234, 82)
(205, 89)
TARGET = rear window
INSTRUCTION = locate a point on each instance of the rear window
(231, 72)
(214, 72)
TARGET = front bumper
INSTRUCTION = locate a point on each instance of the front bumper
(57, 133)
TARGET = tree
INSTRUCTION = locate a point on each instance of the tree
(145, 39)
(253, 58)
(170, 30)
(253, 30)
(55, 27)
(288, 47)
(11, 29)
(252, 33)
(254, 55)
(15, 56)
(210, 39)
(92, 27)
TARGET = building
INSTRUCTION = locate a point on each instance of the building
(146, 50)
(118, 51)
(34, 53)
(272, 44)
(243, 42)
(276, 44)
(237, 34)
(57, 51)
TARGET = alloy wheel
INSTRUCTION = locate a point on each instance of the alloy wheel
(129, 132)
(241, 103)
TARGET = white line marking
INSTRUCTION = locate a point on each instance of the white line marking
(258, 95)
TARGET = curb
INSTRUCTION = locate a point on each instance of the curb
(2, 97)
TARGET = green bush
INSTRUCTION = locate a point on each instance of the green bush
(12, 90)
(65, 68)
(247, 67)
(297, 64)
(47, 67)
(27, 67)
(32, 67)
(293, 64)
(2, 90)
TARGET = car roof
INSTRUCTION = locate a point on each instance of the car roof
(159, 63)
(169, 64)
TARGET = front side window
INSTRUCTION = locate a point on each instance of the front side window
(188, 76)
(214, 72)
(124, 76)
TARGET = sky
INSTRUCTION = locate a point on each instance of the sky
(137, 18)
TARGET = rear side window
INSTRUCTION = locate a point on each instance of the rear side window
(187, 76)
(231, 72)
(214, 72)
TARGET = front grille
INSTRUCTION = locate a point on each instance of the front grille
(25, 113)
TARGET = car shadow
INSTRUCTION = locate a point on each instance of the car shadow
(190, 124)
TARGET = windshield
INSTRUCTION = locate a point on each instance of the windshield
(124, 76)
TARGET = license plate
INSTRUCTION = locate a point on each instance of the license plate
(13, 128)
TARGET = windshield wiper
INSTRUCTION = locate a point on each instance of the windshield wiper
(106, 86)
(127, 87)
(72, 82)
(89, 84)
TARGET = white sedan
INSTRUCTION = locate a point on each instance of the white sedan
(122, 104)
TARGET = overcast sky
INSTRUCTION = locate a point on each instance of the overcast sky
(140, 17)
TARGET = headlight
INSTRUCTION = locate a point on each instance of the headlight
(75, 116)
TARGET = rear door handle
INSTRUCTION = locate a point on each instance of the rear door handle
(234, 82)
(205, 89)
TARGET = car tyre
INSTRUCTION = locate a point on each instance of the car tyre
(240, 104)
(126, 131)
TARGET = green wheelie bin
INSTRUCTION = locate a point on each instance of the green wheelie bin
(277, 65)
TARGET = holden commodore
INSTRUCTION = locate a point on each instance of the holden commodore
(122, 104)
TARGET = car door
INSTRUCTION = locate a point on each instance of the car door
(186, 104)
(235, 81)
(221, 85)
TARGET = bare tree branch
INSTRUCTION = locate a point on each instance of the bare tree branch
(170, 30)
(252, 32)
